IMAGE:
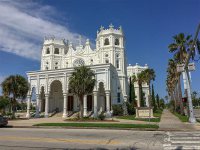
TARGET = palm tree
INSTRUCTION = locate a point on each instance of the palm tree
(149, 75)
(15, 87)
(180, 47)
(82, 82)
(172, 80)
(140, 78)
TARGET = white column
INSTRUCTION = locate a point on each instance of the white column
(65, 106)
(28, 106)
(46, 105)
(95, 93)
(40, 103)
(37, 106)
(108, 113)
(85, 106)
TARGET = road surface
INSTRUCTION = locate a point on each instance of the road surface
(61, 139)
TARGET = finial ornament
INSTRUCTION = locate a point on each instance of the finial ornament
(101, 28)
(111, 26)
(120, 28)
(87, 42)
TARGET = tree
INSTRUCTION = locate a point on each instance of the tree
(153, 99)
(82, 82)
(143, 99)
(173, 87)
(139, 79)
(195, 100)
(15, 87)
(4, 103)
(149, 75)
(180, 47)
(132, 95)
(162, 103)
(158, 100)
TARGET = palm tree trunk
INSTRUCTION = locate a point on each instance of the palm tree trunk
(81, 106)
(149, 96)
(139, 95)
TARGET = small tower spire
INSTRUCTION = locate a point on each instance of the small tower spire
(101, 28)
(111, 26)
(120, 28)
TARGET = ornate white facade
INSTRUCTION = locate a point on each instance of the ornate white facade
(58, 60)
(135, 70)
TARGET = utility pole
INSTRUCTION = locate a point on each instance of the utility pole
(192, 118)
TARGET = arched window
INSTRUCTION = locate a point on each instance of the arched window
(117, 63)
(47, 51)
(106, 55)
(106, 42)
(107, 61)
(46, 68)
(56, 51)
(116, 41)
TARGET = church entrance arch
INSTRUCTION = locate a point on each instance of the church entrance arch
(56, 97)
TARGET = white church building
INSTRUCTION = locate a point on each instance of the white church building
(58, 59)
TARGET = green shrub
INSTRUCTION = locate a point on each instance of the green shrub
(130, 108)
(101, 116)
(117, 110)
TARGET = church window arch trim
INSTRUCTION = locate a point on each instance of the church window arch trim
(48, 51)
(106, 41)
(56, 51)
(116, 41)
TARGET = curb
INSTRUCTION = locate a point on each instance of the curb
(56, 127)
(100, 128)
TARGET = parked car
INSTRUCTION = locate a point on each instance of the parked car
(3, 121)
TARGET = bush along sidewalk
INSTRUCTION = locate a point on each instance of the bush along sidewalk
(181, 117)
(100, 125)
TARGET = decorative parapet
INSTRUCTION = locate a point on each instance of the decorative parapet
(111, 29)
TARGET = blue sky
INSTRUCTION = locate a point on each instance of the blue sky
(148, 26)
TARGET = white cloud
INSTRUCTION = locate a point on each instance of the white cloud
(23, 27)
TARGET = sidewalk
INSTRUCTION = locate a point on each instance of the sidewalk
(171, 122)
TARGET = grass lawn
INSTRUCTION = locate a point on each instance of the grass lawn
(100, 125)
(181, 117)
(132, 117)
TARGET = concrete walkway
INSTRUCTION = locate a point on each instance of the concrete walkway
(171, 122)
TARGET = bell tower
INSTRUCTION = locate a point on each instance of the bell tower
(52, 53)
(110, 46)
(110, 43)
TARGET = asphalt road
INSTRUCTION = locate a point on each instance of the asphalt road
(60, 139)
